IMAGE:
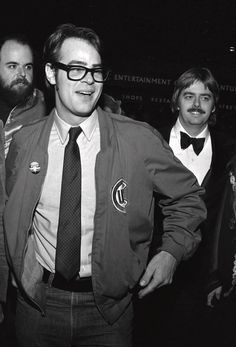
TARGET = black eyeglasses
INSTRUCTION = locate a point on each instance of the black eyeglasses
(78, 72)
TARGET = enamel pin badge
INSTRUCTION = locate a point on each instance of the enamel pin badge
(34, 167)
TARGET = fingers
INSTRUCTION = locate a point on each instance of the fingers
(214, 294)
(148, 287)
(209, 300)
(218, 293)
(159, 272)
(146, 283)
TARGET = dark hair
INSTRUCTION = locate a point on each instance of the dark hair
(195, 74)
(64, 31)
(19, 38)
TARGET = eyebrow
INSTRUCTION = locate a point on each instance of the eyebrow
(17, 63)
(78, 62)
(202, 94)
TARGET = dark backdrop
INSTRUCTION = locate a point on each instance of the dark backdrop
(149, 45)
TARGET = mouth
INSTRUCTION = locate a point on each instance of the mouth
(196, 112)
(19, 85)
(84, 92)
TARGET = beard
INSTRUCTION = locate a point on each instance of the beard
(17, 92)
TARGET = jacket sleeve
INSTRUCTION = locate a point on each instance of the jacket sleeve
(223, 247)
(4, 271)
(180, 200)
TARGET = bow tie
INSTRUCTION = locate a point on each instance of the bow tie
(197, 143)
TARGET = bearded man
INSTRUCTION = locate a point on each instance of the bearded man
(20, 102)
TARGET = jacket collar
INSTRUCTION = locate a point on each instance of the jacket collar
(105, 124)
(106, 128)
(88, 126)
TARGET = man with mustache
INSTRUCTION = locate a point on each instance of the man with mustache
(204, 151)
(20, 101)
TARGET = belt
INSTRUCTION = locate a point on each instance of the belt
(82, 284)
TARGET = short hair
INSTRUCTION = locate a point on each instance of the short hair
(20, 38)
(54, 42)
(195, 74)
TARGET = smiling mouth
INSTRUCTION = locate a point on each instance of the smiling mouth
(86, 93)
(195, 111)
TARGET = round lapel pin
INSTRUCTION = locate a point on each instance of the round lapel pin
(34, 167)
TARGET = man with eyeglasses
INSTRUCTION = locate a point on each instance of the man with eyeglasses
(79, 216)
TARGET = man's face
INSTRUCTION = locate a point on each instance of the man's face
(196, 104)
(16, 71)
(76, 98)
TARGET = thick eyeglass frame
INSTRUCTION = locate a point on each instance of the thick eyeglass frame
(68, 68)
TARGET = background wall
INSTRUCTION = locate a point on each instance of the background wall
(148, 46)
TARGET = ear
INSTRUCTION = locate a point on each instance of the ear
(50, 73)
(213, 110)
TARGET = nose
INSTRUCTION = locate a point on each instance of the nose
(196, 101)
(21, 71)
(88, 78)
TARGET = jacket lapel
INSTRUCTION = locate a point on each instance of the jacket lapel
(217, 162)
(23, 183)
(165, 132)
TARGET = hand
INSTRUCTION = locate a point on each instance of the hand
(159, 272)
(214, 294)
(1, 313)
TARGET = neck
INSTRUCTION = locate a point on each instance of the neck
(73, 120)
(193, 130)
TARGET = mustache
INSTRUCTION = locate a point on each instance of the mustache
(196, 109)
(20, 80)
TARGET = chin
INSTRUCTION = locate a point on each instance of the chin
(83, 115)
(85, 112)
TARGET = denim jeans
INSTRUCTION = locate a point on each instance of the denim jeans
(72, 319)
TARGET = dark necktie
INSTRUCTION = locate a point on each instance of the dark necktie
(69, 227)
(186, 141)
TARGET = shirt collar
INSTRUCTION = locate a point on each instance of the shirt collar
(88, 126)
(178, 128)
